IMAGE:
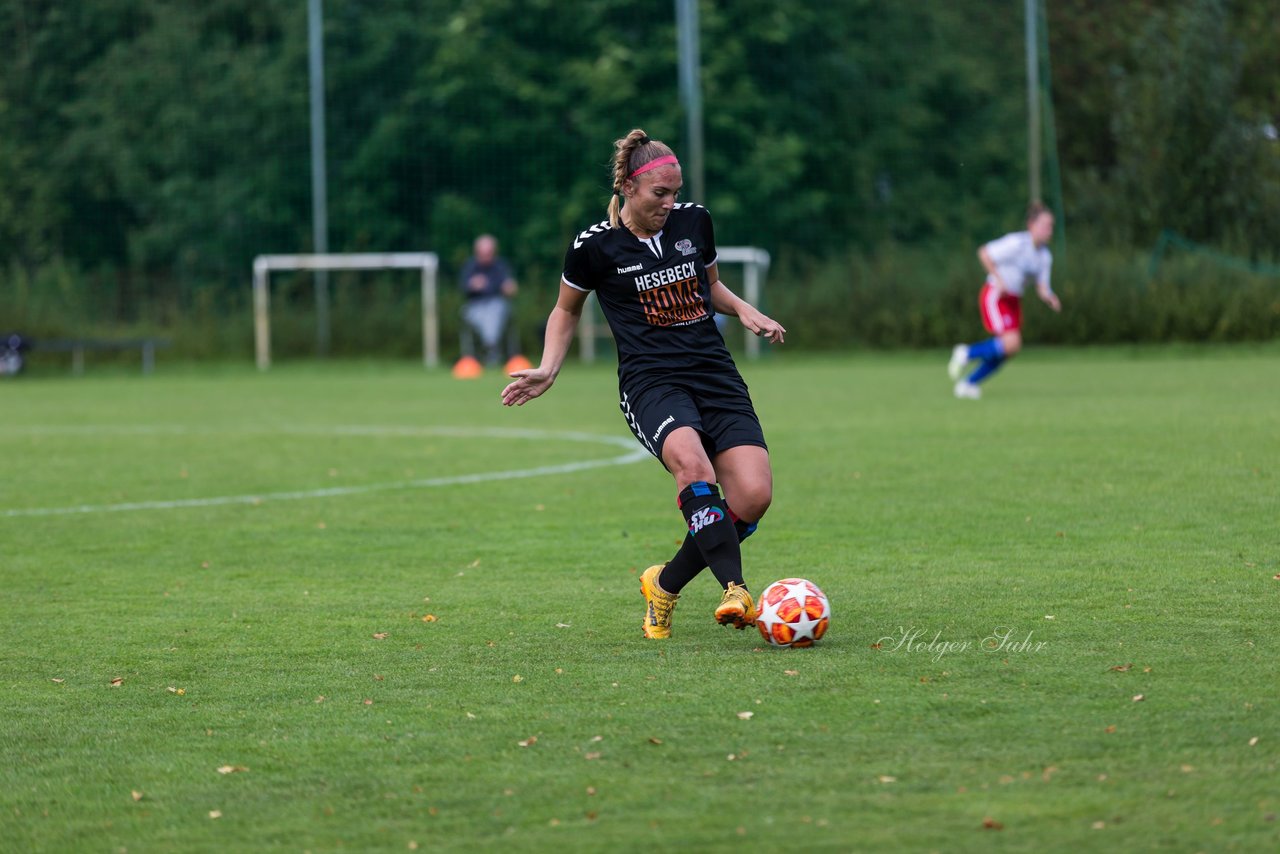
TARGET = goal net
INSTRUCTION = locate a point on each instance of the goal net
(264, 265)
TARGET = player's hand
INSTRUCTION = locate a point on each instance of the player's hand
(529, 383)
(760, 324)
(1053, 302)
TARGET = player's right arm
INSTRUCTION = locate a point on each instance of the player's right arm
(989, 264)
(561, 325)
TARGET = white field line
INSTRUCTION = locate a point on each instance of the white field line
(633, 454)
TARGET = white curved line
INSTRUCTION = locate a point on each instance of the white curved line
(633, 454)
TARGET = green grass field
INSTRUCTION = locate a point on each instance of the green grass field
(1112, 514)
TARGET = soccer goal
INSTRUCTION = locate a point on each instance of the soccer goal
(755, 264)
(427, 262)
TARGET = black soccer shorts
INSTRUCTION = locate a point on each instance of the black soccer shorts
(717, 406)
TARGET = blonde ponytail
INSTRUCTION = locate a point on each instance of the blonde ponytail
(629, 154)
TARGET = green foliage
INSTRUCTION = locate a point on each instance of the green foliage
(151, 150)
(1165, 110)
(893, 296)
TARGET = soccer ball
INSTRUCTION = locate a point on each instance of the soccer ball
(793, 612)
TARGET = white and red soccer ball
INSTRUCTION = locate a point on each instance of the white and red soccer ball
(793, 612)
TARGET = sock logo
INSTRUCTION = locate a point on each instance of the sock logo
(704, 517)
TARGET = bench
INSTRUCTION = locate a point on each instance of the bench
(77, 347)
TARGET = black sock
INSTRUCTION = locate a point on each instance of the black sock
(682, 568)
(712, 531)
(688, 560)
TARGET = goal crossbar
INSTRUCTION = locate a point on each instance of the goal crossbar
(755, 266)
(264, 265)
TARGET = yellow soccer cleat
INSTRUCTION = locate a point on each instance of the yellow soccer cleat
(736, 608)
(658, 604)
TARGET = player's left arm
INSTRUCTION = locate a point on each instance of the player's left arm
(1043, 287)
(726, 301)
(1049, 297)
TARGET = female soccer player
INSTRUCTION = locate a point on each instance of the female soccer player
(652, 265)
(1009, 261)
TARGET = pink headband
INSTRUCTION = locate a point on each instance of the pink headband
(654, 164)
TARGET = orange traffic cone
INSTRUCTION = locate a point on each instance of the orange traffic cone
(467, 368)
(517, 363)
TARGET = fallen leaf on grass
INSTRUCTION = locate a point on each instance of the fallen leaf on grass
(320, 699)
(380, 635)
(791, 673)
(1187, 769)
(1047, 775)
(1138, 698)
(885, 778)
(179, 691)
(517, 678)
(746, 716)
(877, 646)
(528, 742)
(591, 790)
(595, 754)
(231, 769)
(597, 738)
(215, 813)
(1253, 741)
(59, 681)
(564, 625)
(1111, 728)
(655, 741)
(429, 618)
(136, 795)
(1121, 668)
(368, 702)
(990, 823)
(117, 682)
(1098, 825)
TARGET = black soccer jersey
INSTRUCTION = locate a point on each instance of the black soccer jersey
(654, 293)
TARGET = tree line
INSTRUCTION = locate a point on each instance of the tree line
(160, 146)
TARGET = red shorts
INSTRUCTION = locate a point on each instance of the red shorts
(1001, 312)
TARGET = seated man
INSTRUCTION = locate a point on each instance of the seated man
(12, 347)
(488, 286)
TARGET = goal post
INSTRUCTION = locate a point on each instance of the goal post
(755, 264)
(427, 262)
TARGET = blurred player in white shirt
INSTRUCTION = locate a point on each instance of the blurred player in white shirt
(1011, 261)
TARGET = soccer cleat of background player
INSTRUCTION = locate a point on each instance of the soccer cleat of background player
(1010, 261)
